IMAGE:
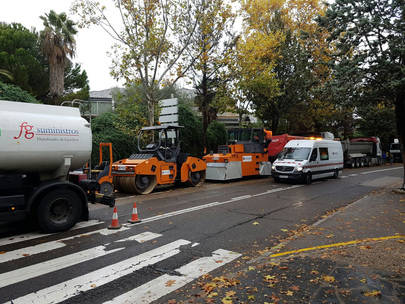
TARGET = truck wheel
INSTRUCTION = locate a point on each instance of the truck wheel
(59, 210)
(308, 178)
(336, 174)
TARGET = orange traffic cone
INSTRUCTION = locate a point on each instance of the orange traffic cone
(134, 217)
(114, 223)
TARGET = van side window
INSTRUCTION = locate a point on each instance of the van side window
(314, 155)
(324, 153)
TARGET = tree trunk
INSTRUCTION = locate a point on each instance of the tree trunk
(56, 80)
(151, 107)
(400, 117)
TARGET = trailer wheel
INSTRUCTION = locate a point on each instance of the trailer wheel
(308, 178)
(59, 210)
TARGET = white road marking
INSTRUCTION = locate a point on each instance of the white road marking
(344, 176)
(352, 175)
(166, 284)
(65, 290)
(238, 198)
(298, 204)
(113, 231)
(381, 170)
(142, 237)
(39, 269)
(48, 246)
(35, 235)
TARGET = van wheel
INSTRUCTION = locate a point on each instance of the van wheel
(59, 210)
(308, 178)
(336, 174)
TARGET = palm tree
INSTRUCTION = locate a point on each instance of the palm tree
(6, 74)
(57, 44)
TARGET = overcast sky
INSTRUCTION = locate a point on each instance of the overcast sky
(91, 44)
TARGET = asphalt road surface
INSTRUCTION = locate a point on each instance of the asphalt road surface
(185, 233)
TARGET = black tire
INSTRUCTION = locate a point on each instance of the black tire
(196, 178)
(336, 174)
(144, 184)
(59, 210)
(308, 178)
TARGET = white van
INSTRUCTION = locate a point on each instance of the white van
(308, 159)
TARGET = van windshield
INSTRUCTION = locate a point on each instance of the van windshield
(295, 153)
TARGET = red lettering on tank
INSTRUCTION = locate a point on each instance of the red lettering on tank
(25, 129)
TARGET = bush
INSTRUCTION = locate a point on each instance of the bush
(14, 93)
(216, 135)
(105, 128)
(191, 134)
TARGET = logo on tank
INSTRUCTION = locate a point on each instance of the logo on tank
(27, 131)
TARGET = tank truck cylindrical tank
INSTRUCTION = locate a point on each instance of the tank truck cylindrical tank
(39, 145)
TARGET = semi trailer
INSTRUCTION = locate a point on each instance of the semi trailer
(39, 145)
(362, 151)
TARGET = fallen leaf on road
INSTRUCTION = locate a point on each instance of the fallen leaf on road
(363, 281)
(329, 236)
(226, 300)
(2, 252)
(269, 277)
(219, 261)
(289, 293)
(26, 254)
(295, 288)
(399, 241)
(314, 272)
(255, 223)
(329, 279)
(251, 297)
(171, 302)
(374, 293)
(245, 258)
(93, 285)
(170, 283)
(284, 230)
(209, 287)
(251, 268)
(230, 293)
(365, 247)
(213, 294)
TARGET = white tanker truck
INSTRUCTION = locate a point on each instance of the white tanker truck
(39, 145)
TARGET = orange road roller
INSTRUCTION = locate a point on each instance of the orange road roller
(159, 162)
(245, 155)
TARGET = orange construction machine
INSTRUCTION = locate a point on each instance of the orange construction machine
(245, 155)
(159, 162)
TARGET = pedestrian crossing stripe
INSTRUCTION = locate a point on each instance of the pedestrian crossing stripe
(159, 287)
(36, 235)
(36, 270)
(73, 287)
(49, 246)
